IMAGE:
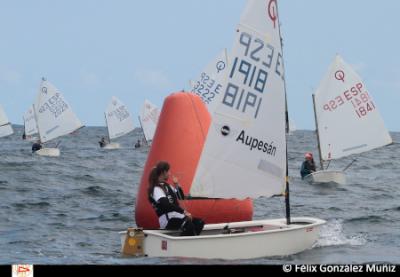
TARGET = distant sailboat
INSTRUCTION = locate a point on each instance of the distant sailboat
(347, 120)
(30, 126)
(54, 117)
(148, 120)
(292, 127)
(119, 122)
(210, 85)
(5, 125)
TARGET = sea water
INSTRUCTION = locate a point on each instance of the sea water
(69, 210)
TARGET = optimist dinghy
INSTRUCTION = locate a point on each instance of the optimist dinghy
(242, 158)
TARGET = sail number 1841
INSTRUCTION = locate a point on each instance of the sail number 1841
(357, 96)
(363, 106)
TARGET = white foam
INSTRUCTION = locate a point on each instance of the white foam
(332, 234)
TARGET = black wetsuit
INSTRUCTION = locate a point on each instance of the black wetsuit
(170, 203)
(102, 143)
(36, 146)
(307, 167)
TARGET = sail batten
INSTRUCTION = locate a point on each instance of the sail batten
(347, 116)
(245, 150)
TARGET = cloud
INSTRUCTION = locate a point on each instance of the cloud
(9, 75)
(153, 78)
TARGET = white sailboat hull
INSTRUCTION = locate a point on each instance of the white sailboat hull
(248, 240)
(326, 176)
(112, 146)
(49, 152)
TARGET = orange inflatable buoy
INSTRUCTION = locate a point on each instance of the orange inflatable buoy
(179, 139)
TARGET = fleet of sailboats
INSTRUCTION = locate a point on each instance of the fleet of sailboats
(51, 117)
(245, 152)
(119, 122)
(347, 120)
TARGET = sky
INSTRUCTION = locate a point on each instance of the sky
(92, 50)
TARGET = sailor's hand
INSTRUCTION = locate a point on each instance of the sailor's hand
(189, 215)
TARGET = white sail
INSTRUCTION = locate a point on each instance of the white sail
(245, 150)
(54, 115)
(292, 126)
(211, 83)
(149, 119)
(348, 118)
(5, 125)
(30, 125)
(118, 118)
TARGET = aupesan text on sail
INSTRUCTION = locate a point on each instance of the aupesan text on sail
(256, 144)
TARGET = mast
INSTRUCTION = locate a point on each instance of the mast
(108, 131)
(287, 190)
(317, 131)
(23, 118)
(141, 126)
(36, 122)
(35, 114)
(287, 199)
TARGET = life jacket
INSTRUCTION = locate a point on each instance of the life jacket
(171, 195)
(36, 147)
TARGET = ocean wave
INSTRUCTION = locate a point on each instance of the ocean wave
(396, 209)
(332, 234)
(30, 205)
(94, 190)
(335, 209)
(368, 218)
(3, 185)
(104, 218)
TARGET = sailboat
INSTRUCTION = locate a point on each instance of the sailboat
(30, 126)
(347, 120)
(148, 120)
(119, 122)
(54, 117)
(245, 155)
(5, 125)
